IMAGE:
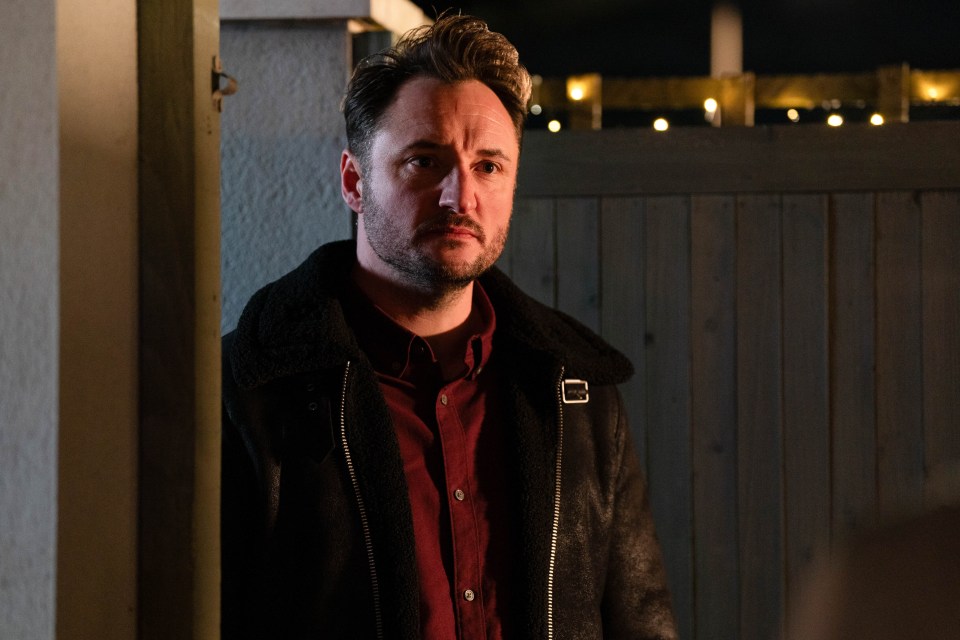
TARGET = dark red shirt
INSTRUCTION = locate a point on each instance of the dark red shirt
(452, 443)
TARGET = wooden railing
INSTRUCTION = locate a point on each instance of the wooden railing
(891, 91)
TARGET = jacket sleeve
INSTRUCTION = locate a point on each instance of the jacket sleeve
(636, 601)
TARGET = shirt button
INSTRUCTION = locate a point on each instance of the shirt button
(459, 495)
(469, 595)
(443, 399)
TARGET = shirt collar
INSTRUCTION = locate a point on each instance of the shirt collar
(398, 352)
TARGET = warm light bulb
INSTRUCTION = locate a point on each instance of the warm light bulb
(710, 105)
(661, 124)
(835, 120)
(576, 93)
(794, 115)
(553, 126)
(932, 93)
(876, 119)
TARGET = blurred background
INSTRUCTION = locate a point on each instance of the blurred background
(652, 38)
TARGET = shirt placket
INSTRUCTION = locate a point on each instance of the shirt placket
(468, 595)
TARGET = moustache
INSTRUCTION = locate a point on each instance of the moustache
(446, 220)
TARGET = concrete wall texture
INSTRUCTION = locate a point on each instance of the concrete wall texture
(281, 138)
(29, 177)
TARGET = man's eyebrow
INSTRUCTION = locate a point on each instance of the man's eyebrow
(430, 145)
(493, 153)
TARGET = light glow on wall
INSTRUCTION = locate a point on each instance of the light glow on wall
(584, 87)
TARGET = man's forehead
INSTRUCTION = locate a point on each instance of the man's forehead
(429, 110)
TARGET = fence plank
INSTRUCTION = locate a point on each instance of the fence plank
(900, 459)
(668, 392)
(767, 159)
(714, 415)
(941, 342)
(759, 408)
(852, 360)
(578, 266)
(806, 422)
(529, 257)
(622, 321)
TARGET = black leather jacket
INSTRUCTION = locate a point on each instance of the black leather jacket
(317, 530)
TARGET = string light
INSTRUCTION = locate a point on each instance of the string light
(536, 109)
(583, 87)
(661, 124)
(710, 109)
(553, 126)
(876, 119)
(794, 115)
(835, 120)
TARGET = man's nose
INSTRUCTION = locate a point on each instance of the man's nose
(459, 190)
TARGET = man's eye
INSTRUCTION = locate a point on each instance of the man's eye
(489, 167)
(423, 162)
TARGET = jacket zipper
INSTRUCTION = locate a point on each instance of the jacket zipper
(556, 506)
(364, 523)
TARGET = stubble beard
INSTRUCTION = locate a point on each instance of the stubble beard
(405, 254)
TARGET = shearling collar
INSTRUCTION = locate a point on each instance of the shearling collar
(296, 324)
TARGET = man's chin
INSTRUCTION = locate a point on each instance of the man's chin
(456, 274)
(453, 256)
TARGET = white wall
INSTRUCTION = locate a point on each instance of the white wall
(68, 414)
(97, 540)
(28, 318)
(281, 138)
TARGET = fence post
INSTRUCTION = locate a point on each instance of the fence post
(584, 103)
(737, 100)
(893, 92)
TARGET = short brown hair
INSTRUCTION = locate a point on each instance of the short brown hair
(454, 49)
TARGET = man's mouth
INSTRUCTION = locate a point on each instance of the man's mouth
(464, 228)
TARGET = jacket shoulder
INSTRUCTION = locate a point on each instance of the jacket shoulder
(531, 325)
(295, 324)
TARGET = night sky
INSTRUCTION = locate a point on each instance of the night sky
(638, 38)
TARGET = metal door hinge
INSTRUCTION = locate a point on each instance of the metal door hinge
(219, 92)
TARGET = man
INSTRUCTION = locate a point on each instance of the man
(413, 448)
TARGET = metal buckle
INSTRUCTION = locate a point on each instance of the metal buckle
(575, 391)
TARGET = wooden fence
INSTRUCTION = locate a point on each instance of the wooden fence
(790, 297)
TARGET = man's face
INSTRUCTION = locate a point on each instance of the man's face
(434, 198)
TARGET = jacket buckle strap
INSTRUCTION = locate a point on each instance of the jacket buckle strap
(575, 391)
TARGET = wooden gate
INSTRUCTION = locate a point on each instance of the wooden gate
(790, 297)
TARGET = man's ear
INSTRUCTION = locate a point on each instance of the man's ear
(351, 182)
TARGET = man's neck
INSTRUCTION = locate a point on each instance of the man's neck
(445, 320)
